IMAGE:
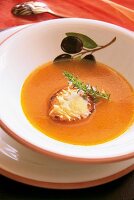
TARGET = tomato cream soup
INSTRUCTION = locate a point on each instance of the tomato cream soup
(109, 119)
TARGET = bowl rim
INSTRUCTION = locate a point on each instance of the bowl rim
(76, 185)
(51, 153)
(60, 156)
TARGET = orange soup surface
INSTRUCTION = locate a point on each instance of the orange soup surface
(110, 118)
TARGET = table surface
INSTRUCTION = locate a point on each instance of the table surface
(119, 12)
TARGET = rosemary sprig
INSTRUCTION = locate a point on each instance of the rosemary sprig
(87, 89)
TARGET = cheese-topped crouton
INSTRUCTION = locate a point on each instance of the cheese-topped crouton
(69, 105)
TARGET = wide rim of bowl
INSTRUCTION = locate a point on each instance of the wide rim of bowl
(63, 186)
(51, 153)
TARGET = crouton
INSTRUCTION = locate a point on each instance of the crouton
(70, 104)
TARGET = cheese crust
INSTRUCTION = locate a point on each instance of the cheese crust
(70, 104)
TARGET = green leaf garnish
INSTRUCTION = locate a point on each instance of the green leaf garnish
(88, 90)
(87, 42)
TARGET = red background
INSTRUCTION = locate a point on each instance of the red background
(120, 13)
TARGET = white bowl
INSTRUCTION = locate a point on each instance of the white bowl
(38, 44)
(24, 165)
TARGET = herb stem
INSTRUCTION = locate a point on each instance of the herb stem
(88, 90)
(104, 46)
(96, 49)
(81, 53)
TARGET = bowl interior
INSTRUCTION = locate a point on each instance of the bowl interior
(38, 44)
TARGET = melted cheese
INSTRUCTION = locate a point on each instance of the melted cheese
(70, 105)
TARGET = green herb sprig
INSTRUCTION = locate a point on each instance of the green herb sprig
(87, 89)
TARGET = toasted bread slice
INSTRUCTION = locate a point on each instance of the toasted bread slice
(69, 104)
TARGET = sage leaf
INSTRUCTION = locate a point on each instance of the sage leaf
(87, 42)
